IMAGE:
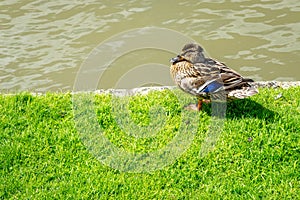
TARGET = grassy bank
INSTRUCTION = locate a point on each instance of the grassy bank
(42, 153)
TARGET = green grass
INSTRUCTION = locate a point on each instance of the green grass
(43, 153)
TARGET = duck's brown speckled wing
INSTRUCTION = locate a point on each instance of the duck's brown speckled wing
(228, 77)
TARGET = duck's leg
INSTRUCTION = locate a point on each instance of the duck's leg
(199, 105)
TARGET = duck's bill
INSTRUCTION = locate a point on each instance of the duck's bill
(176, 59)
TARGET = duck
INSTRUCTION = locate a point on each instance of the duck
(207, 78)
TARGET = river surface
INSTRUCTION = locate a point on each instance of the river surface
(47, 45)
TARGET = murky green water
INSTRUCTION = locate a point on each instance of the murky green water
(44, 43)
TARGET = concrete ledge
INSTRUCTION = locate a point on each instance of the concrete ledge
(276, 84)
(145, 90)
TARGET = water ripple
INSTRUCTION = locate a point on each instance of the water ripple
(43, 43)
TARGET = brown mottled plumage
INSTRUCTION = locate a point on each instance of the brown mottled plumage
(204, 77)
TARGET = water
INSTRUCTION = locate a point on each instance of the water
(43, 44)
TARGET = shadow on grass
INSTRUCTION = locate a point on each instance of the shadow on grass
(245, 108)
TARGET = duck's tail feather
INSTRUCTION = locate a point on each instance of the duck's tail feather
(243, 93)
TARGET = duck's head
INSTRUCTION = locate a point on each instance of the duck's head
(190, 52)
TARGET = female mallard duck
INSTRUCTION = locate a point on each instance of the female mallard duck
(204, 77)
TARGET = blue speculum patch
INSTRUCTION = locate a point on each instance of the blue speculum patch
(212, 87)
